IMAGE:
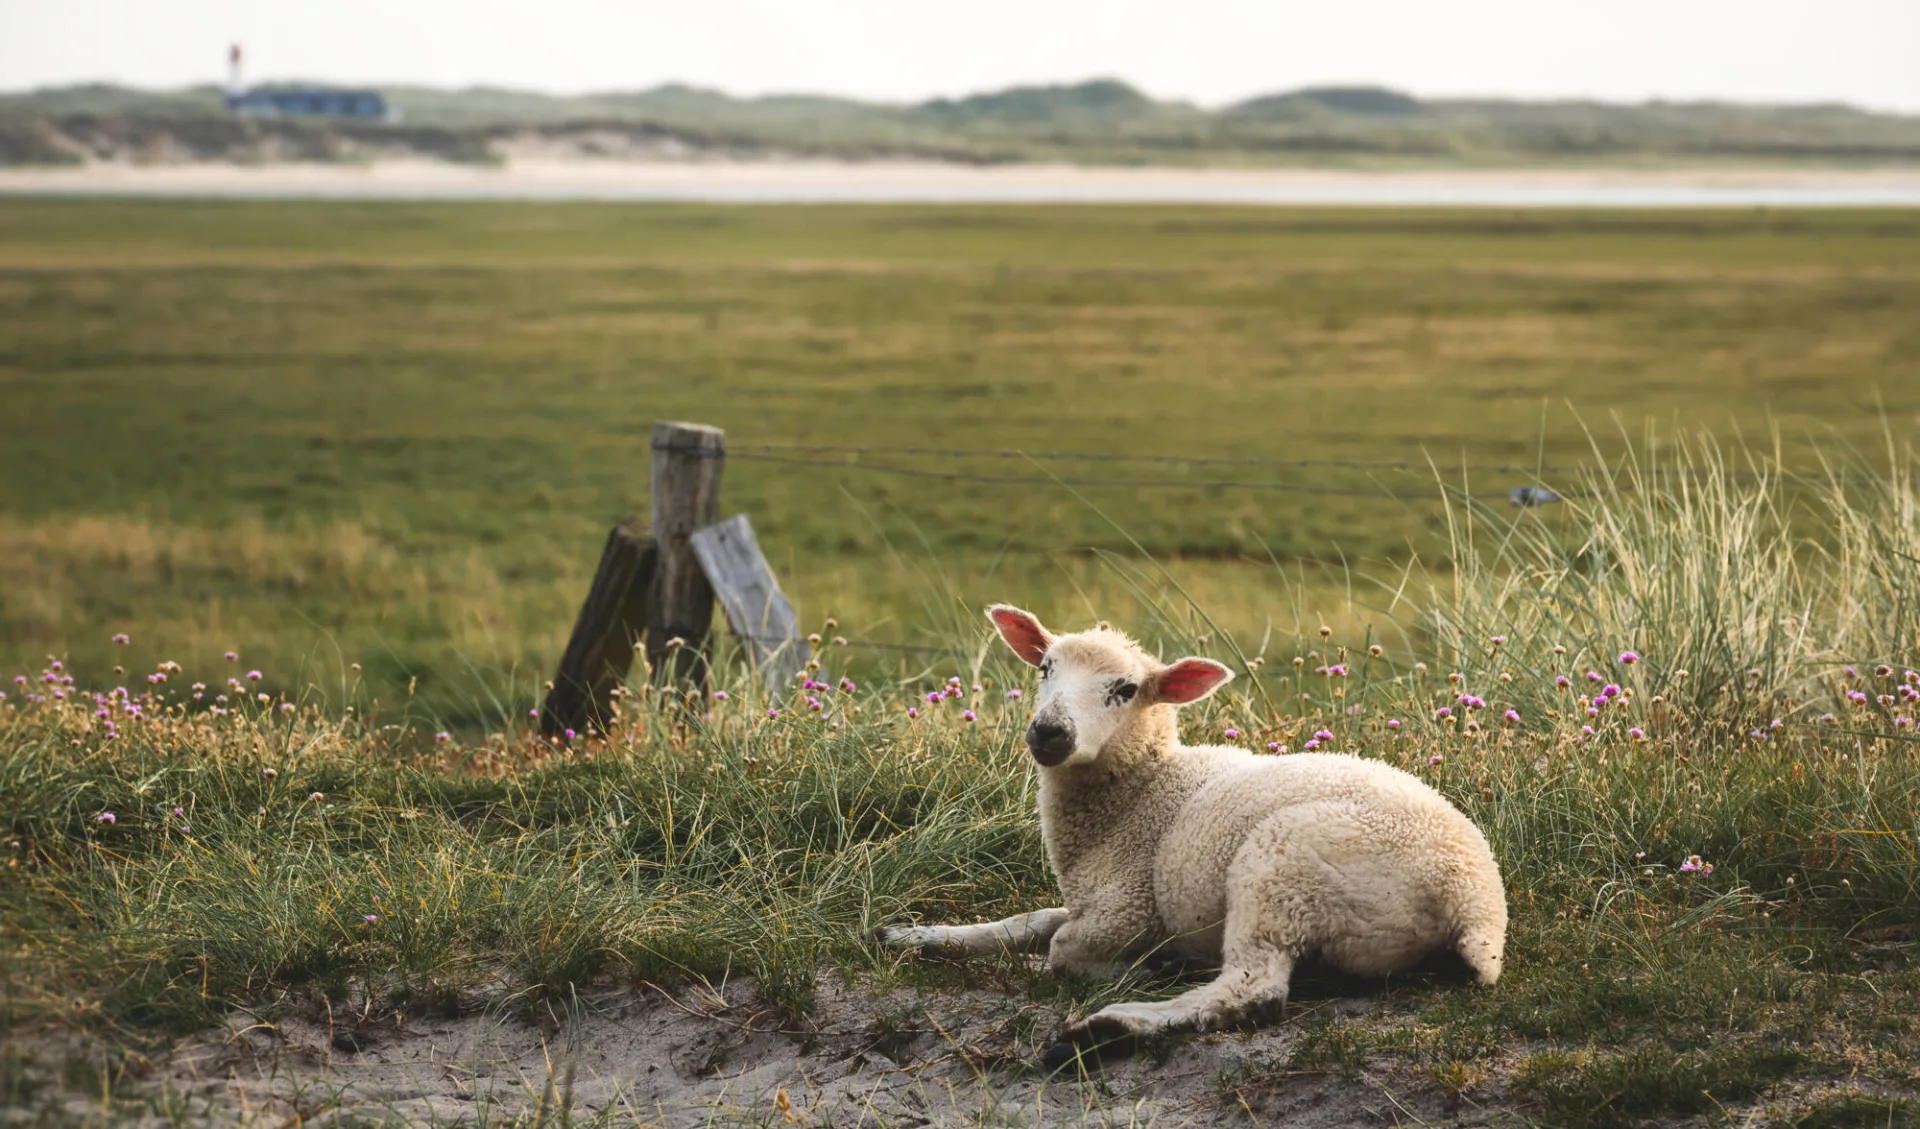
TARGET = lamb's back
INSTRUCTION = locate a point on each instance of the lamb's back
(1237, 791)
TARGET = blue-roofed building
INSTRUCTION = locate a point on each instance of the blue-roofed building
(301, 102)
(309, 103)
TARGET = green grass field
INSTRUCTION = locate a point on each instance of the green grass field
(374, 448)
(395, 434)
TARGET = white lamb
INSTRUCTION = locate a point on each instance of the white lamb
(1218, 855)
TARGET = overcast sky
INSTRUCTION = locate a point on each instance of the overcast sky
(1210, 51)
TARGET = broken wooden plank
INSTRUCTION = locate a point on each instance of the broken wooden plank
(759, 613)
(600, 652)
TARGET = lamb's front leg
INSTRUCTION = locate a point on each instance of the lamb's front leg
(1253, 981)
(1022, 933)
(1091, 948)
(1106, 936)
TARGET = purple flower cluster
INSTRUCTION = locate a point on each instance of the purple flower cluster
(1693, 865)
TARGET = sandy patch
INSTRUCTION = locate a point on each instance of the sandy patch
(700, 1056)
(838, 181)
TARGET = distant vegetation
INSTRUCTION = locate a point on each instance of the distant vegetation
(1099, 122)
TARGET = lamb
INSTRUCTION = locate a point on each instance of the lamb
(1217, 855)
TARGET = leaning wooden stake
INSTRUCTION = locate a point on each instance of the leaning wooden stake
(600, 652)
(758, 611)
(687, 458)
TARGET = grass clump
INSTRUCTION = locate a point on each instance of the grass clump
(1860, 1111)
(195, 859)
(1618, 1088)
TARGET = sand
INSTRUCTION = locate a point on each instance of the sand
(838, 181)
(715, 1055)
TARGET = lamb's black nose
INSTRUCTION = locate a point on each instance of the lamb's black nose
(1049, 743)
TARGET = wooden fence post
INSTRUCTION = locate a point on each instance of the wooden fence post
(761, 615)
(687, 458)
(600, 652)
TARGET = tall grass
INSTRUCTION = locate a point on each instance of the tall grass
(1762, 587)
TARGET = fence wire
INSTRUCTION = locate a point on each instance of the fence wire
(1531, 493)
(1037, 480)
(1165, 460)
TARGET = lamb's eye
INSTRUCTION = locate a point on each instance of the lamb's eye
(1120, 691)
(1046, 669)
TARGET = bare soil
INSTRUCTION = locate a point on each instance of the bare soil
(715, 1055)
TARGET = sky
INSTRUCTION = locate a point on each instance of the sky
(1206, 51)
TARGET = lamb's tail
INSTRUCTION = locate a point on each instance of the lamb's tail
(1484, 948)
(1480, 932)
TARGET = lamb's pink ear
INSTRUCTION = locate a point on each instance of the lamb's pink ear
(1189, 680)
(1022, 632)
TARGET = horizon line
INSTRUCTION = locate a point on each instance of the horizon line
(1063, 84)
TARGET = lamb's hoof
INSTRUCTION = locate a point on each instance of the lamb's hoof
(922, 941)
(1093, 1041)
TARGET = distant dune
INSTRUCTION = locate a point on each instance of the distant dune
(1104, 123)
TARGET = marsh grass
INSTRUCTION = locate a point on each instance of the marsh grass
(278, 850)
(395, 434)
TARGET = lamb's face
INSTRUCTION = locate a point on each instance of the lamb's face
(1092, 684)
(1088, 687)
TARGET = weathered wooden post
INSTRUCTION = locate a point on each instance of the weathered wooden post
(687, 458)
(761, 615)
(662, 586)
(600, 652)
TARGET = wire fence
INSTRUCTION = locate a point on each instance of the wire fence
(1051, 480)
(1169, 460)
(1530, 492)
